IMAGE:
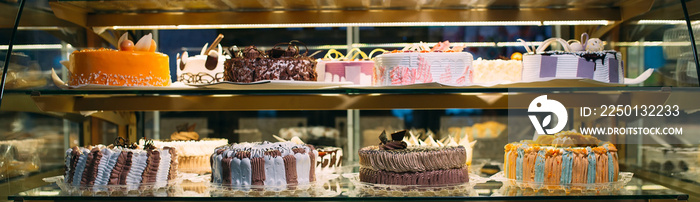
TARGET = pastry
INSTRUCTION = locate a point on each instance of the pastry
(120, 165)
(564, 158)
(192, 153)
(251, 65)
(490, 71)
(421, 64)
(579, 60)
(205, 68)
(288, 163)
(403, 162)
(346, 69)
(131, 65)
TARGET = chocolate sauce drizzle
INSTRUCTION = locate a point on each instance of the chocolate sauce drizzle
(588, 56)
(200, 78)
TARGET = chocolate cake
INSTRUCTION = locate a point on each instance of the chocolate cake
(251, 65)
(394, 162)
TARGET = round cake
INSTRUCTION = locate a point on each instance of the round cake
(205, 68)
(120, 165)
(193, 153)
(561, 159)
(131, 65)
(395, 162)
(264, 164)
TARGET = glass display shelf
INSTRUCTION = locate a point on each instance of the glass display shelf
(637, 189)
(346, 90)
(347, 98)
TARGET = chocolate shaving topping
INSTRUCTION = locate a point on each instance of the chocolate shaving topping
(251, 52)
(276, 52)
(398, 135)
(382, 137)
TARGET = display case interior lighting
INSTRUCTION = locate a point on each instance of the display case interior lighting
(578, 22)
(652, 43)
(518, 44)
(302, 25)
(223, 95)
(663, 22)
(34, 47)
(366, 24)
(43, 28)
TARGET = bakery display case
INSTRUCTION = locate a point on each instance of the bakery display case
(624, 74)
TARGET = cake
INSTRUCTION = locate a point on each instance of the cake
(193, 154)
(329, 159)
(345, 69)
(420, 64)
(579, 60)
(561, 159)
(396, 162)
(205, 68)
(131, 65)
(251, 65)
(98, 166)
(496, 71)
(280, 164)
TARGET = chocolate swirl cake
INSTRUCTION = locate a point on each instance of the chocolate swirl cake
(252, 65)
(395, 163)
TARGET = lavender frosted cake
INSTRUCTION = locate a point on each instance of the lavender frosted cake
(395, 162)
(579, 60)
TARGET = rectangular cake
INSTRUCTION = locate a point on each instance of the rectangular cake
(450, 68)
(603, 66)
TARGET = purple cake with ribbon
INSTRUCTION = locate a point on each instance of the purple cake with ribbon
(579, 60)
(394, 162)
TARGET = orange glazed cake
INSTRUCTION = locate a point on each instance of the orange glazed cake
(132, 65)
(564, 158)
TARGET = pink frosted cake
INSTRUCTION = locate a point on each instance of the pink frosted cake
(421, 64)
(357, 72)
(562, 159)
